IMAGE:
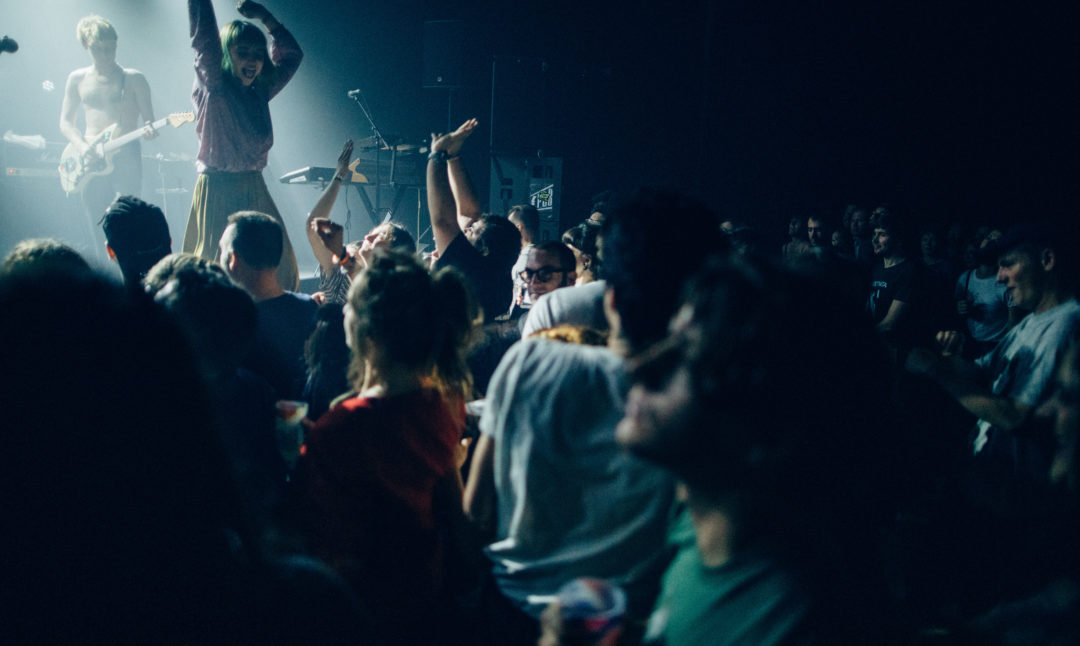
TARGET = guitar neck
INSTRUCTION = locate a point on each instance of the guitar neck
(134, 134)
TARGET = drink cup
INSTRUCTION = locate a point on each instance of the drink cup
(290, 430)
(591, 611)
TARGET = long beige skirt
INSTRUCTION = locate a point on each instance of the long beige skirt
(219, 195)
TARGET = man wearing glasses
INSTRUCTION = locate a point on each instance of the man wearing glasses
(550, 265)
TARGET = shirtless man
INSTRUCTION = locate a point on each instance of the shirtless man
(109, 94)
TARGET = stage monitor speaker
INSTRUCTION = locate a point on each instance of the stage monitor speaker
(444, 54)
(524, 180)
(519, 105)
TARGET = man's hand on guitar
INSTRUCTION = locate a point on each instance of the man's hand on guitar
(82, 159)
(88, 152)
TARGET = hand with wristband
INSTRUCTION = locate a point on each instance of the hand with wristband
(448, 146)
(444, 150)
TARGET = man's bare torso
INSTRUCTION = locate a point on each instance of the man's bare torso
(109, 99)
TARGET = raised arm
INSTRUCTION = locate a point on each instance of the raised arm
(441, 209)
(285, 52)
(318, 219)
(448, 187)
(468, 207)
(205, 41)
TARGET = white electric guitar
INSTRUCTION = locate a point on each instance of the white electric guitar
(76, 170)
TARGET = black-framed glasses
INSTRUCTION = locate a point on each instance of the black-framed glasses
(543, 274)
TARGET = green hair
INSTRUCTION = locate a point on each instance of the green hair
(239, 31)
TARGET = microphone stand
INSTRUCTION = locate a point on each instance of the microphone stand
(380, 143)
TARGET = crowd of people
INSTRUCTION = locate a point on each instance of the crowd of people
(809, 443)
(661, 428)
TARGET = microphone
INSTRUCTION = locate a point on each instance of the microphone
(8, 45)
(352, 94)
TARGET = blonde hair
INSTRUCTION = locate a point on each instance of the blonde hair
(577, 334)
(92, 29)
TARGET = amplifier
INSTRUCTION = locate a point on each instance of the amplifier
(13, 171)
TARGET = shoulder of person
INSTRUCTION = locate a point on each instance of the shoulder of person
(459, 249)
(460, 243)
(79, 74)
(300, 297)
(306, 303)
(1069, 318)
(342, 410)
(135, 75)
(342, 398)
(570, 358)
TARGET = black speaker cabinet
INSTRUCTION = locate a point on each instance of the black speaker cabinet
(519, 105)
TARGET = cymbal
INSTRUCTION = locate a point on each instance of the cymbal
(170, 157)
(406, 149)
(370, 144)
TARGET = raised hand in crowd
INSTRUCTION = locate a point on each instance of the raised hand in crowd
(448, 146)
(326, 237)
(451, 143)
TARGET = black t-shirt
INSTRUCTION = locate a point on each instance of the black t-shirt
(888, 284)
(490, 282)
(904, 282)
(284, 325)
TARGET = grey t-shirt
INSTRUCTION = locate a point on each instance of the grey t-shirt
(571, 502)
(1022, 366)
(988, 305)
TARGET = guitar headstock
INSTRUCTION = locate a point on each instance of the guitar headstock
(177, 119)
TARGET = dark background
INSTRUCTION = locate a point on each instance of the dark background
(953, 111)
